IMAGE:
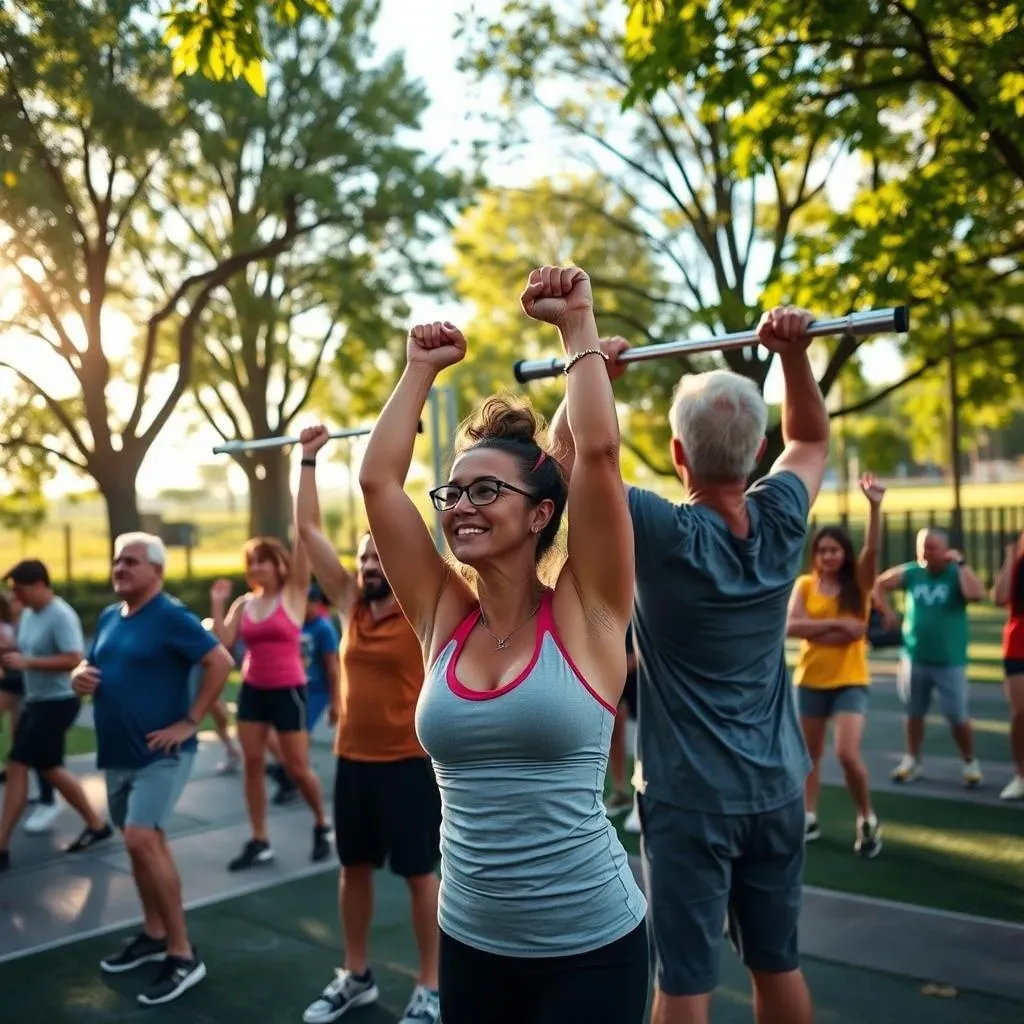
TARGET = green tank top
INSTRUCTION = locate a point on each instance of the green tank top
(935, 619)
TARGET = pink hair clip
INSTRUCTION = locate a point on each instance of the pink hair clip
(539, 462)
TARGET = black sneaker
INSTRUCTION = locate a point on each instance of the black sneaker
(255, 851)
(321, 842)
(286, 793)
(175, 977)
(812, 830)
(142, 949)
(869, 838)
(88, 838)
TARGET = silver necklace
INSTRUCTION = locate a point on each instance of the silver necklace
(502, 642)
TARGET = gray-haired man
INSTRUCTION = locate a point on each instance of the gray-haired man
(723, 759)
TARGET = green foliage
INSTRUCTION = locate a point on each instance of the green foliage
(565, 221)
(224, 39)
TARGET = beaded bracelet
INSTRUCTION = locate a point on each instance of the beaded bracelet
(580, 355)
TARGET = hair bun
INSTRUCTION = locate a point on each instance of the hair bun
(504, 416)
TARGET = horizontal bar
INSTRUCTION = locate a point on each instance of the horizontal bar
(895, 320)
(233, 447)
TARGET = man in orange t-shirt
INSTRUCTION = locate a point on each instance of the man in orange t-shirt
(386, 802)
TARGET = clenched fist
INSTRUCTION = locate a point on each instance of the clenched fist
(436, 345)
(554, 294)
(312, 440)
(784, 330)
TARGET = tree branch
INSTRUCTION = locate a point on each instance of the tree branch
(283, 418)
(16, 443)
(55, 407)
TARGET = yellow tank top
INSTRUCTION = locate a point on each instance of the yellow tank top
(829, 666)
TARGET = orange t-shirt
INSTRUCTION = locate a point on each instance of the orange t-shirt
(381, 679)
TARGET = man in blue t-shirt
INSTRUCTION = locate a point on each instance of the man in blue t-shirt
(137, 673)
(722, 757)
(320, 640)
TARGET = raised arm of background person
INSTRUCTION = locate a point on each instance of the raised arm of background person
(1002, 591)
(295, 593)
(867, 562)
(971, 587)
(563, 445)
(805, 425)
(415, 570)
(890, 580)
(335, 581)
(598, 515)
(225, 626)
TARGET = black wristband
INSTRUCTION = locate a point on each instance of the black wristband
(309, 462)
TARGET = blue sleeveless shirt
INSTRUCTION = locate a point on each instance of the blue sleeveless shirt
(530, 864)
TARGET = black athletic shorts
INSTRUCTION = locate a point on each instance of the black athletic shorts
(1013, 666)
(283, 708)
(12, 682)
(42, 728)
(388, 811)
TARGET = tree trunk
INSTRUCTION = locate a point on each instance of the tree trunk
(116, 483)
(270, 498)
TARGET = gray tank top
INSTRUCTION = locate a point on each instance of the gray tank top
(530, 864)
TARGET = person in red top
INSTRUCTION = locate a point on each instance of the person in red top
(1009, 593)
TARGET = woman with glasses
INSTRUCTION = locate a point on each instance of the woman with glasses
(540, 916)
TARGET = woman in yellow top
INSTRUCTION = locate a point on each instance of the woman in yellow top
(829, 612)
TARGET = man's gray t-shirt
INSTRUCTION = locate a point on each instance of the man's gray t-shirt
(718, 730)
(55, 629)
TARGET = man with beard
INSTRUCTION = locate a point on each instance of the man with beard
(137, 673)
(386, 802)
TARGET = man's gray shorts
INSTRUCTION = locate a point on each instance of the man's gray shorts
(915, 682)
(699, 868)
(145, 797)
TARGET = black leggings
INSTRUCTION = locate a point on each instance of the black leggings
(605, 986)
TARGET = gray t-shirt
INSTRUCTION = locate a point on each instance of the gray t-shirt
(718, 730)
(55, 629)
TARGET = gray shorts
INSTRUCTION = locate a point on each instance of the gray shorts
(145, 797)
(701, 869)
(915, 682)
(826, 703)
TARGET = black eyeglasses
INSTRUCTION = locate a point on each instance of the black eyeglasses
(479, 492)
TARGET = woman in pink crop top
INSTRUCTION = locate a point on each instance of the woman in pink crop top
(272, 700)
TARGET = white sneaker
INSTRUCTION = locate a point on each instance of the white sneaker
(424, 1007)
(632, 823)
(344, 993)
(907, 770)
(1014, 789)
(43, 817)
(972, 772)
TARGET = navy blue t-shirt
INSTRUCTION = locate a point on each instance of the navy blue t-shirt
(718, 731)
(319, 637)
(144, 660)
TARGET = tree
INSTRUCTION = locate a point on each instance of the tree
(330, 130)
(718, 196)
(580, 221)
(224, 39)
(930, 95)
(90, 123)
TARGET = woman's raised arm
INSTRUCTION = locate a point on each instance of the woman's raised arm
(412, 565)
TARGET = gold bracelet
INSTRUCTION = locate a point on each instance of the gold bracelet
(579, 355)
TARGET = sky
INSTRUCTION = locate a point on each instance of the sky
(424, 32)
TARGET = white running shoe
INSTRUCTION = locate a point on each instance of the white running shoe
(1014, 789)
(907, 770)
(972, 773)
(43, 817)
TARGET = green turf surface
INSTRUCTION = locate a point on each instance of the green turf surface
(269, 954)
(946, 854)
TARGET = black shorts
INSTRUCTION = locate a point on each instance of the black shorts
(12, 682)
(283, 707)
(608, 985)
(388, 811)
(42, 728)
(1013, 667)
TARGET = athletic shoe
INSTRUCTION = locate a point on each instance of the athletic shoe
(89, 837)
(42, 818)
(632, 823)
(972, 773)
(424, 1007)
(346, 992)
(321, 842)
(618, 803)
(1014, 789)
(869, 838)
(812, 830)
(255, 851)
(142, 949)
(176, 976)
(907, 770)
(230, 763)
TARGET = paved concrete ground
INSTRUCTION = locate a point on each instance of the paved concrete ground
(50, 899)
